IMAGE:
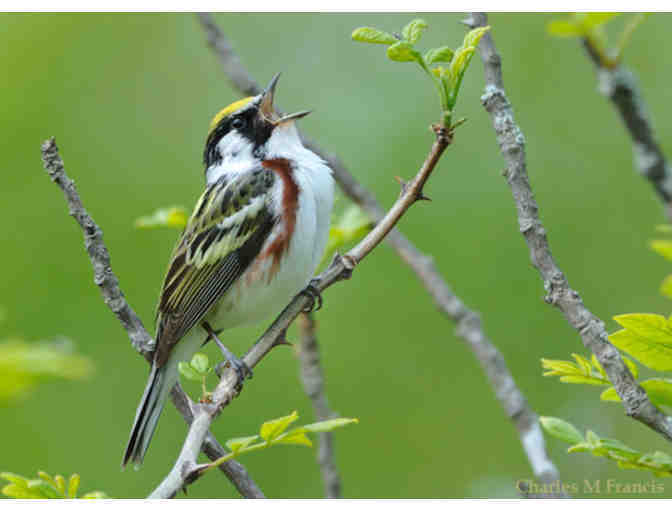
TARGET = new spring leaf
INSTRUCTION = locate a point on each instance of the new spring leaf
(413, 31)
(372, 36)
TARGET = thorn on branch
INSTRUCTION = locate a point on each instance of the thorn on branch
(422, 196)
(282, 339)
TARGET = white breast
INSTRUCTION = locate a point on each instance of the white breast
(262, 291)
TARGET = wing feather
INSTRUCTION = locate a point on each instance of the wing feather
(227, 229)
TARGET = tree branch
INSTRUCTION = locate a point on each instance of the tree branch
(114, 298)
(186, 470)
(468, 323)
(313, 382)
(593, 334)
(619, 85)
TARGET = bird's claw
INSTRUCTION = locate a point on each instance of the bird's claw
(238, 365)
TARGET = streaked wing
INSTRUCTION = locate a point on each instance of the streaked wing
(227, 229)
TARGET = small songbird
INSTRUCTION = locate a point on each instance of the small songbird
(253, 241)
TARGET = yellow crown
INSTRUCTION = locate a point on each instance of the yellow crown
(229, 110)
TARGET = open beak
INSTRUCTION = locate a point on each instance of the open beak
(266, 106)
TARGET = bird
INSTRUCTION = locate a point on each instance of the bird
(253, 241)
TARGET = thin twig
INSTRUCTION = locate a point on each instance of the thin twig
(593, 334)
(114, 298)
(186, 470)
(313, 383)
(468, 324)
(620, 86)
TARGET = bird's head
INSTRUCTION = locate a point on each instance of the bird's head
(245, 127)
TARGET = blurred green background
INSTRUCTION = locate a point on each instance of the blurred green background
(129, 99)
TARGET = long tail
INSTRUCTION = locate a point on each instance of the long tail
(161, 381)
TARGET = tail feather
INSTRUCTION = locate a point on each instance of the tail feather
(148, 413)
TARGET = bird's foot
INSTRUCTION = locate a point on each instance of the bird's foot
(242, 370)
(313, 293)
(237, 364)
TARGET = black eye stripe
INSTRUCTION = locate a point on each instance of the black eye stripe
(248, 123)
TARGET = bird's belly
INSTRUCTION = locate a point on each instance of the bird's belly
(263, 290)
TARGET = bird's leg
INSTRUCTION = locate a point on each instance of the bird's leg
(313, 293)
(235, 362)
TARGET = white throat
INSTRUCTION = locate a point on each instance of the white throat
(236, 153)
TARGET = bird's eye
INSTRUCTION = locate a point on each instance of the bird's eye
(237, 123)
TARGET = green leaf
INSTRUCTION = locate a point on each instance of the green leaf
(442, 54)
(46, 477)
(273, 428)
(60, 485)
(73, 485)
(563, 28)
(596, 364)
(18, 492)
(580, 372)
(616, 446)
(403, 51)
(583, 364)
(95, 495)
(372, 36)
(579, 24)
(295, 436)
(659, 391)
(174, 217)
(238, 443)
(647, 337)
(662, 247)
(666, 286)
(559, 367)
(413, 31)
(473, 37)
(458, 65)
(200, 363)
(188, 372)
(328, 425)
(15, 479)
(653, 326)
(561, 429)
(592, 438)
(582, 379)
(658, 459)
(44, 489)
(593, 19)
(579, 447)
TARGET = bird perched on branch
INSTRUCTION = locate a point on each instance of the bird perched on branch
(253, 241)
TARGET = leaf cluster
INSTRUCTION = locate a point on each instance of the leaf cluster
(447, 78)
(197, 370)
(277, 431)
(659, 463)
(45, 487)
(646, 337)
